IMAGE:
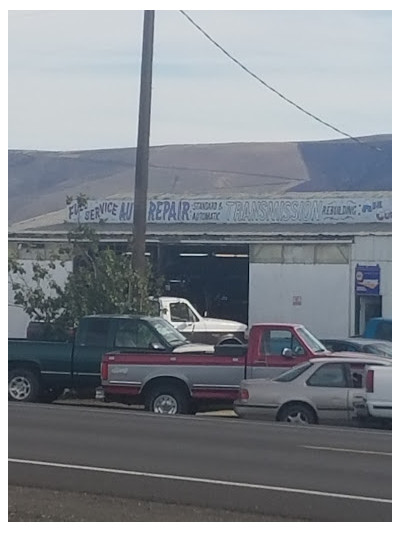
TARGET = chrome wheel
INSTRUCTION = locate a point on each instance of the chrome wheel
(297, 413)
(165, 404)
(19, 388)
(297, 418)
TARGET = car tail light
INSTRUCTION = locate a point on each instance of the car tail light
(244, 394)
(104, 371)
(369, 381)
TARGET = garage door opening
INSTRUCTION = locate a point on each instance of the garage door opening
(214, 278)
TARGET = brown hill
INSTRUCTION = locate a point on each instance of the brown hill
(39, 181)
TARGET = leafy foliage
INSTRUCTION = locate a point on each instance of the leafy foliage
(102, 281)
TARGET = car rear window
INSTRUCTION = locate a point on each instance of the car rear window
(293, 373)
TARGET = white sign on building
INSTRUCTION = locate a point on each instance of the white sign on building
(240, 211)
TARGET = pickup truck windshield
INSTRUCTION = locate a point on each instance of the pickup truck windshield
(315, 345)
(170, 334)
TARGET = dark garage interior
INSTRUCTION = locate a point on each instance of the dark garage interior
(214, 277)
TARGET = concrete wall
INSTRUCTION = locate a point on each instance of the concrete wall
(314, 295)
(313, 284)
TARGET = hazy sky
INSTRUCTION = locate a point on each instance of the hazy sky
(73, 76)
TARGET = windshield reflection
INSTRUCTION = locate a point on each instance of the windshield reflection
(170, 334)
(315, 345)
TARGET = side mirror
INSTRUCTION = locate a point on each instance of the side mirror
(156, 346)
(181, 327)
(287, 352)
(205, 314)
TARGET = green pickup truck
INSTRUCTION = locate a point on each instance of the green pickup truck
(40, 370)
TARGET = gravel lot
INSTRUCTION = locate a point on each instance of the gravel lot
(42, 505)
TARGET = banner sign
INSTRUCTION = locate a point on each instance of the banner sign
(239, 211)
(368, 279)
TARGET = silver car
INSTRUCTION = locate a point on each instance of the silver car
(359, 344)
(321, 390)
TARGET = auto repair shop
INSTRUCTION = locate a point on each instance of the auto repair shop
(320, 259)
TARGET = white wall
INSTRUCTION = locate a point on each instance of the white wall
(324, 292)
(322, 275)
(17, 319)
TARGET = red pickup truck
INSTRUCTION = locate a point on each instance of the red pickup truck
(172, 382)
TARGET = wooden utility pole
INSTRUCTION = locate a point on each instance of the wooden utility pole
(142, 150)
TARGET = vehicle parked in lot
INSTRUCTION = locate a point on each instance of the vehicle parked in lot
(177, 311)
(377, 394)
(185, 317)
(170, 383)
(359, 344)
(378, 328)
(41, 370)
(321, 390)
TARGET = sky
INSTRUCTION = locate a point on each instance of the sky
(73, 75)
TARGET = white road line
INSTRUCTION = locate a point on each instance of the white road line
(200, 480)
(348, 450)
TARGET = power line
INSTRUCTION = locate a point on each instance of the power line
(225, 171)
(253, 75)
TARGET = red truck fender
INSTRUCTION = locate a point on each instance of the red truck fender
(167, 395)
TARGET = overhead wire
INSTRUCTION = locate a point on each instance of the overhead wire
(227, 171)
(269, 87)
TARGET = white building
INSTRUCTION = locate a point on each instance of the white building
(320, 259)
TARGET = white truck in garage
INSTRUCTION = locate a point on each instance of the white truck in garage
(183, 316)
(201, 329)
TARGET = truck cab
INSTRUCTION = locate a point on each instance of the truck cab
(170, 382)
(186, 319)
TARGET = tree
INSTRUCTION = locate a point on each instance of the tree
(102, 280)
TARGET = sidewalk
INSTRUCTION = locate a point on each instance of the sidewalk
(100, 404)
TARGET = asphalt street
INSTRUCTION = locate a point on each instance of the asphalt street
(300, 473)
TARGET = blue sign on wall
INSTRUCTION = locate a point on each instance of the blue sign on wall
(368, 279)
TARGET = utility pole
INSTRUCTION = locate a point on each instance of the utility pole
(142, 150)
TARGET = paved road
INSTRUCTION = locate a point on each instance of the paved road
(305, 473)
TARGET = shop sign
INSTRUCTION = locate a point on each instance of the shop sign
(368, 278)
(240, 211)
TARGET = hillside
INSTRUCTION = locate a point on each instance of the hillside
(38, 181)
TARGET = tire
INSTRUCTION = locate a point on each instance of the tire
(23, 385)
(167, 400)
(297, 413)
(231, 340)
(50, 396)
(192, 409)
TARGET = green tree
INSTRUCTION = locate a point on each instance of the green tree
(102, 280)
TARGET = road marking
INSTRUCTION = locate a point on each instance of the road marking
(200, 480)
(348, 450)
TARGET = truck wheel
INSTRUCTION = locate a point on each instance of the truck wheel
(23, 385)
(50, 396)
(167, 400)
(230, 340)
(297, 413)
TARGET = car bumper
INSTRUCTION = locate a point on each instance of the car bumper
(255, 411)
